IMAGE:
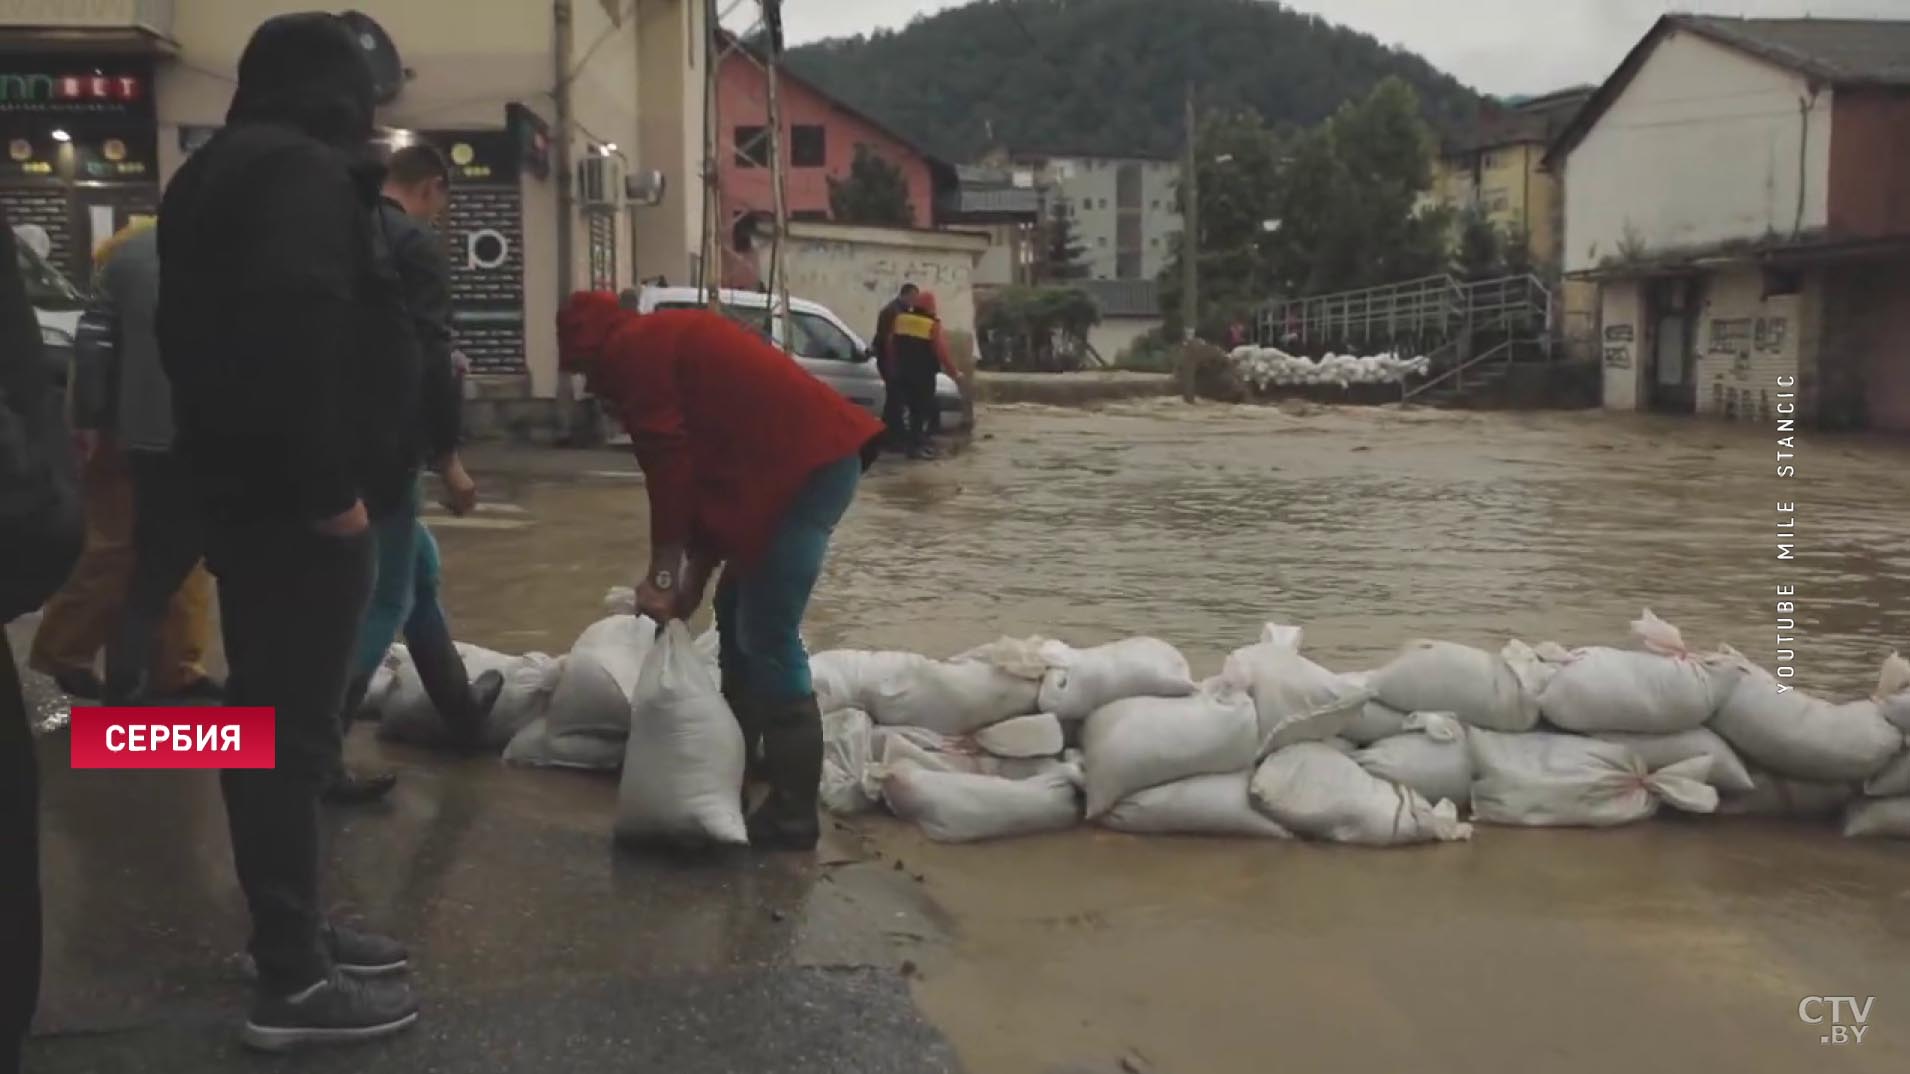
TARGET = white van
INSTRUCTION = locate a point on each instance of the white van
(819, 341)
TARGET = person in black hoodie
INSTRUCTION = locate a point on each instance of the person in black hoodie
(293, 424)
(40, 527)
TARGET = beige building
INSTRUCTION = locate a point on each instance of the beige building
(100, 101)
(1739, 193)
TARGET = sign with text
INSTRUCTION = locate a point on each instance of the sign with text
(181, 738)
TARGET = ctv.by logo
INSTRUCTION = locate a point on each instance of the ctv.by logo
(1846, 1021)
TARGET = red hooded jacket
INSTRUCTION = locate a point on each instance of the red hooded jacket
(726, 427)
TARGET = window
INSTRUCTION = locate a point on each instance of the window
(1101, 240)
(808, 145)
(1155, 204)
(1154, 240)
(752, 147)
(818, 337)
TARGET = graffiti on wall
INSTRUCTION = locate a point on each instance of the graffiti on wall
(1730, 335)
(1770, 333)
(1618, 345)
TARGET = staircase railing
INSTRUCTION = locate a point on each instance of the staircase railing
(1427, 305)
(1505, 348)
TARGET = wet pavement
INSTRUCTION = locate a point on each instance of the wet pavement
(1677, 946)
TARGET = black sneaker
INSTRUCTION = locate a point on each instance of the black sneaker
(341, 1009)
(364, 954)
(353, 788)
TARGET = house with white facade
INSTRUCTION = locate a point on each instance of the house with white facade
(1740, 191)
(1124, 209)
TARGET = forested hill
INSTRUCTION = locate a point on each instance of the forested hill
(1108, 76)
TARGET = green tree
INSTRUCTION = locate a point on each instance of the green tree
(1043, 329)
(1351, 202)
(1238, 159)
(1106, 76)
(875, 192)
(1479, 252)
(1061, 255)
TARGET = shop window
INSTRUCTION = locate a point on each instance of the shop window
(809, 145)
(1778, 281)
(752, 147)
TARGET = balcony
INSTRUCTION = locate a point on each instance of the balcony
(83, 26)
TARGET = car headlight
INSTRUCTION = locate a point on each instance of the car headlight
(55, 337)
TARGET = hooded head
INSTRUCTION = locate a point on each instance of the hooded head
(306, 71)
(925, 303)
(584, 326)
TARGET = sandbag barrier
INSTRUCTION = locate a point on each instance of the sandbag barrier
(1023, 736)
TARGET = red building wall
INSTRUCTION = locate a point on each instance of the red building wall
(742, 101)
(1870, 164)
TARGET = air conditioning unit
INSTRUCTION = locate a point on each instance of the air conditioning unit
(646, 187)
(600, 183)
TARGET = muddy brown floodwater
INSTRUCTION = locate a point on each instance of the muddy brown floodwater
(1678, 946)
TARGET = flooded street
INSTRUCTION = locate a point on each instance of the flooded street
(1681, 945)
(1674, 946)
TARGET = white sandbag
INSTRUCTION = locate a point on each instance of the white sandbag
(1344, 745)
(1728, 773)
(1374, 721)
(1315, 791)
(1431, 757)
(954, 697)
(1497, 692)
(1023, 736)
(1878, 818)
(1076, 682)
(537, 747)
(600, 676)
(1546, 780)
(620, 600)
(529, 682)
(1794, 734)
(1662, 689)
(1143, 742)
(848, 785)
(683, 769)
(1772, 795)
(1203, 805)
(956, 807)
(1893, 781)
(1893, 692)
(1295, 699)
(891, 751)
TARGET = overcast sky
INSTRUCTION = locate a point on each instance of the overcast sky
(1498, 46)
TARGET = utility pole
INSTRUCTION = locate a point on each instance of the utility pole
(1190, 249)
(566, 194)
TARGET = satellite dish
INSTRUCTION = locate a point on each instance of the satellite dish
(387, 70)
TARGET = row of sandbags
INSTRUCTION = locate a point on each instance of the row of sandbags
(1265, 367)
(1276, 743)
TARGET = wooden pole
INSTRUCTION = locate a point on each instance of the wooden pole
(1190, 250)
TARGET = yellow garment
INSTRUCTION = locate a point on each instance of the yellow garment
(80, 616)
(914, 326)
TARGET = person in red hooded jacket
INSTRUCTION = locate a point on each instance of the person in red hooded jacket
(914, 351)
(749, 462)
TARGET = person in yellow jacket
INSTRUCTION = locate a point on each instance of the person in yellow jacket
(118, 418)
(915, 352)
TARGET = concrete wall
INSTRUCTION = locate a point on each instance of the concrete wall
(1624, 333)
(743, 96)
(1001, 264)
(855, 271)
(1746, 342)
(1114, 335)
(1870, 164)
(1706, 144)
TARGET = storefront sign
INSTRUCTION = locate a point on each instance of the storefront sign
(70, 91)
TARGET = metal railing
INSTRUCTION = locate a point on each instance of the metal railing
(1458, 373)
(1427, 306)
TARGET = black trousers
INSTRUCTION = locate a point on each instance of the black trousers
(169, 539)
(290, 601)
(893, 407)
(19, 866)
(915, 374)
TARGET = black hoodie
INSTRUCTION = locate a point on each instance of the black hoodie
(276, 319)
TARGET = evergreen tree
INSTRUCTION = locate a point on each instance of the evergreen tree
(875, 193)
(1062, 253)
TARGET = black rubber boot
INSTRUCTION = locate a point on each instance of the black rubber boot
(792, 765)
(462, 703)
(750, 721)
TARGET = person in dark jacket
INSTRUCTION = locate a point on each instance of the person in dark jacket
(417, 190)
(892, 406)
(917, 351)
(749, 463)
(294, 426)
(40, 529)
